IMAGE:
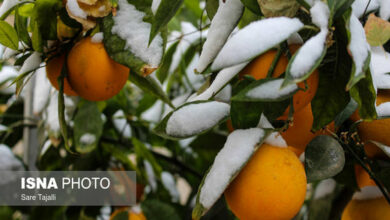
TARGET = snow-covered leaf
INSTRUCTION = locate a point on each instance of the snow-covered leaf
(166, 10)
(223, 78)
(360, 6)
(192, 119)
(324, 158)
(41, 91)
(359, 50)
(384, 148)
(377, 30)
(255, 39)
(384, 11)
(266, 90)
(8, 36)
(380, 67)
(306, 59)
(320, 14)
(237, 151)
(383, 110)
(126, 38)
(88, 127)
(121, 124)
(222, 25)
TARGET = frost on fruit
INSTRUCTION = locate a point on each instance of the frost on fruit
(238, 149)
(359, 6)
(276, 8)
(358, 48)
(255, 39)
(380, 67)
(222, 79)
(222, 25)
(196, 118)
(129, 25)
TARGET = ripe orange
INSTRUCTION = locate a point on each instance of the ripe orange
(53, 71)
(272, 185)
(131, 214)
(92, 73)
(299, 134)
(377, 130)
(259, 67)
(363, 178)
(371, 209)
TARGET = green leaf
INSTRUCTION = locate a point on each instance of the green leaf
(266, 90)
(21, 28)
(324, 158)
(165, 12)
(338, 7)
(142, 151)
(346, 113)
(46, 17)
(331, 97)
(8, 36)
(27, 9)
(252, 5)
(149, 85)
(88, 127)
(37, 41)
(163, 71)
(154, 209)
(212, 8)
(364, 94)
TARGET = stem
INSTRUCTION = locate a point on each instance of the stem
(274, 63)
(365, 10)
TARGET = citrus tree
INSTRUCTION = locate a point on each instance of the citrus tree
(231, 109)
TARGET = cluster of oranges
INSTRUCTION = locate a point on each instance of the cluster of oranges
(272, 185)
(92, 74)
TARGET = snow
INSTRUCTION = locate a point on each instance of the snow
(308, 55)
(271, 90)
(74, 8)
(136, 209)
(222, 25)
(195, 118)
(120, 123)
(320, 14)
(129, 25)
(324, 188)
(97, 38)
(274, 139)
(311, 2)
(7, 74)
(223, 78)
(169, 184)
(45, 147)
(8, 162)
(41, 91)
(153, 114)
(178, 101)
(295, 38)
(3, 128)
(7, 5)
(155, 5)
(239, 147)
(51, 115)
(31, 63)
(151, 176)
(368, 192)
(255, 39)
(358, 45)
(224, 95)
(384, 11)
(196, 80)
(87, 139)
(380, 66)
(359, 6)
(383, 110)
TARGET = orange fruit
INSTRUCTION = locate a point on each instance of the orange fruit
(371, 209)
(377, 130)
(53, 71)
(272, 185)
(131, 214)
(297, 151)
(299, 134)
(92, 73)
(363, 178)
(259, 67)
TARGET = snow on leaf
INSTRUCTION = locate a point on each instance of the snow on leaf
(384, 148)
(222, 25)
(87, 139)
(222, 79)
(383, 110)
(41, 91)
(324, 188)
(274, 139)
(155, 5)
(150, 175)
(31, 63)
(97, 38)
(320, 14)
(359, 6)
(380, 67)
(121, 124)
(169, 184)
(7, 75)
(193, 118)
(74, 8)
(368, 192)
(237, 151)
(266, 90)
(377, 30)
(255, 39)
(307, 59)
(359, 50)
(7, 5)
(129, 26)
(384, 11)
